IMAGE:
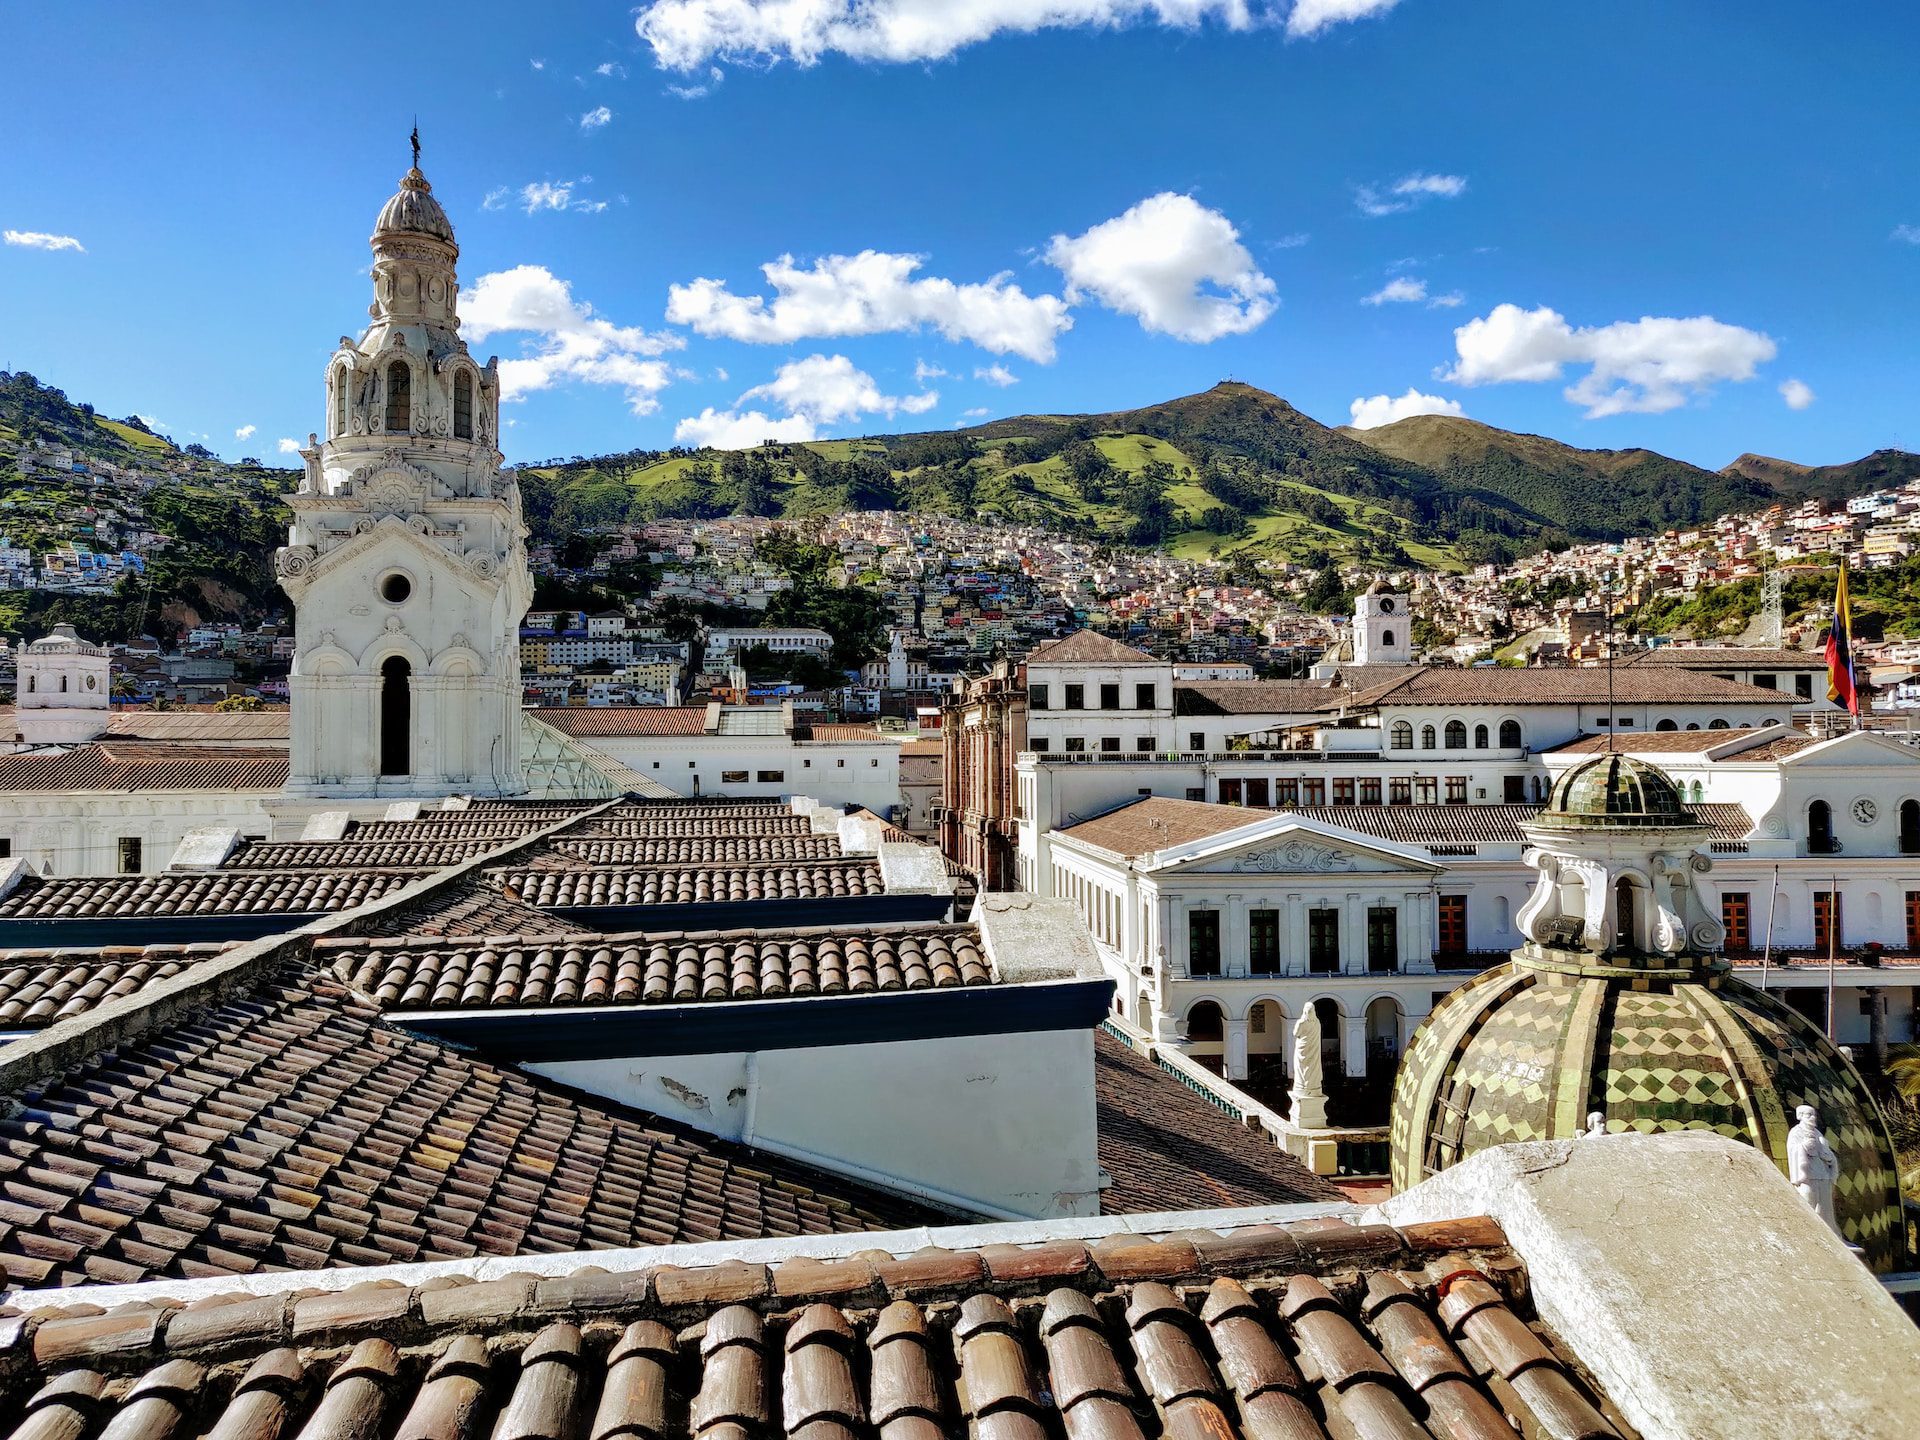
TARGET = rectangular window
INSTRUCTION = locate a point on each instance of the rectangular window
(1829, 921)
(1456, 789)
(1196, 792)
(1343, 792)
(1257, 793)
(1803, 686)
(1766, 682)
(1076, 697)
(129, 854)
(1736, 916)
(1109, 697)
(1369, 792)
(1143, 744)
(1037, 697)
(1263, 942)
(1453, 924)
(1143, 697)
(1514, 789)
(6, 849)
(733, 777)
(1426, 790)
(1383, 939)
(770, 777)
(1203, 942)
(1038, 744)
(1323, 941)
(1400, 790)
(1076, 744)
(1230, 793)
(1913, 920)
(1286, 792)
(1196, 741)
(1313, 792)
(1110, 744)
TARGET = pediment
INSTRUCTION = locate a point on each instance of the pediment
(298, 567)
(1851, 751)
(1299, 848)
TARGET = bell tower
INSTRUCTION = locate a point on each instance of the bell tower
(1382, 627)
(406, 561)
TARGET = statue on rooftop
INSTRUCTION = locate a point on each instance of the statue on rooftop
(1309, 1091)
(1811, 1164)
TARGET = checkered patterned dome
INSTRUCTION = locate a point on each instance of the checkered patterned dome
(1529, 1049)
(1615, 791)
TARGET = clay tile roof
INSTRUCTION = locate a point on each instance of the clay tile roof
(839, 734)
(1085, 647)
(209, 892)
(565, 850)
(1312, 1329)
(138, 766)
(287, 1127)
(207, 726)
(1258, 697)
(547, 968)
(1155, 822)
(630, 720)
(637, 825)
(1730, 657)
(1168, 1149)
(475, 906)
(1559, 685)
(38, 987)
(704, 883)
(434, 854)
(1675, 742)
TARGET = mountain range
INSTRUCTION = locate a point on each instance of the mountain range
(1229, 473)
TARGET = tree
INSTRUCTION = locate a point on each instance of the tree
(239, 704)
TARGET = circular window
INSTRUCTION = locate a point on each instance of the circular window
(395, 587)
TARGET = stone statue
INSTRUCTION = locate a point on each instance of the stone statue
(1812, 1166)
(1309, 1093)
(1596, 1125)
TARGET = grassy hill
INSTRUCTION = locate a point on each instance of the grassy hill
(1880, 470)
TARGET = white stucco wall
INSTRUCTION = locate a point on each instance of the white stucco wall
(833, 772)
(996, 1125)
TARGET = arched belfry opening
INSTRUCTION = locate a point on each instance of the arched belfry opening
(399, 398)
(396, 716)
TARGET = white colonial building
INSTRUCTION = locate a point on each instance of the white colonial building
(406, 561)
(62, 689)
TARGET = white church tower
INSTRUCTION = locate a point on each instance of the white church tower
(62, 689)
(406, 561)
(1382, 627)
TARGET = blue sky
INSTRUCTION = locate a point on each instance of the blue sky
(1616, 223)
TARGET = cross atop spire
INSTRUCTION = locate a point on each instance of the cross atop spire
(416, 144)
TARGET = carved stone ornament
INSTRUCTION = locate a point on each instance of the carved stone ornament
(1294, 855)
(394, 625)
(362, 525)
(483, 563)
(292, 561)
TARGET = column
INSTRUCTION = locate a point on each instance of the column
(1420, 948)
(1233, 941)
(1236, 1049)
(1293, 959)
(1176, 945)
(1353, 935)
(1353, 1044)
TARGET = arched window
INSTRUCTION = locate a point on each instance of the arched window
(63, 684)
(463, 406)
(1426, 737)
(399, 399)
(1910, 827)
(1820, 829)
(1625, 927)
(1667, 724)
(1717, 725)
(339, 401)
(1205, 1022)
(33, 683)
(1400, 737)
(1699, 792)
(1456, 735)
(1510, 735)
(1386, 639)
(396, 716)
(1693, 724)
(1479, 737)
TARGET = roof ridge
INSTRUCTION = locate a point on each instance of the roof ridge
(68, 1042)
(602, 939)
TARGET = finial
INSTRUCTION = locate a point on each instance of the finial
(416, 142)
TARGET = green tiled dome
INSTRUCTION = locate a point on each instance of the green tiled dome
(1529, 1049)
(1615, 790)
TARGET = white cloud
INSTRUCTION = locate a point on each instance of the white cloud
(1797, 393)
(245, 432)
(288, 446)
(923, 372)
(1408, 193)
(996, 375)
(826, 388)
(696, 92)
(553, 195)
(595, 118)
(1401, 290)
(1906, 234)
(725, 430)
(1452, 300)
(1372, 410)
(611, 70)
(1175, 265)
(538, 64)
(1290, 242)
(568, 341)
(496, 198)
(1310, 17)
(40, 240)
(869, 294)
(154, 423)
(1644, 366)
(685, 34)
(976, 413)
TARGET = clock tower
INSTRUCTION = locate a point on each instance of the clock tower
(1382, 627)
(406, 561)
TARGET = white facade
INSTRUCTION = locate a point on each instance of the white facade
(768, 766)
(89, 832)
(1113, 708)
(1383, 629)
(406, 560)
(62, 689)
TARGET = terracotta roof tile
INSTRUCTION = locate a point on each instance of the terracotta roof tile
(1745, 742)
(737, 849)
(1258, 697)
(655, 969)
(598, 722)
(290, 1127)
(1085, 647)
(38, 987)
(432, 854)
(1729, 657)
(1561, 685)
(139, 767)
(1168, 1149)
(209, 892)
(705, 883)
(1155, 822)
(1418, 1334)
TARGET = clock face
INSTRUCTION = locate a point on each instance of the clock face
(1386, 607)
(1864, 810)
(92, 681)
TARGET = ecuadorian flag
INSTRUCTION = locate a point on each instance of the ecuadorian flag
(1840, 688)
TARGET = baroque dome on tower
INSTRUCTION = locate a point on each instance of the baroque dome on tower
(414, 210)
(1619, 1004)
